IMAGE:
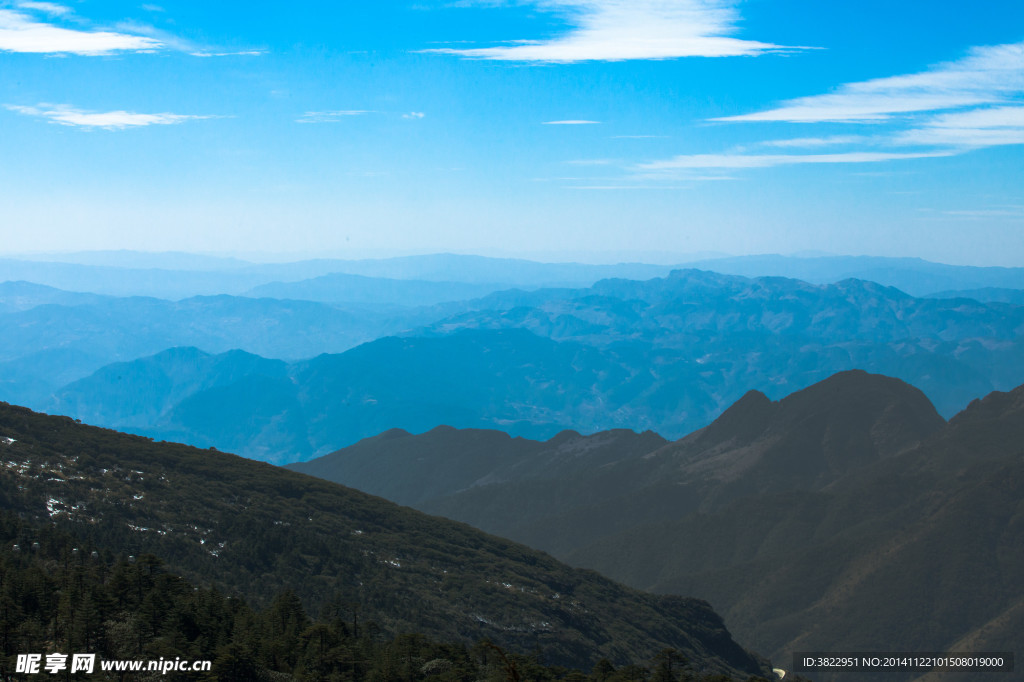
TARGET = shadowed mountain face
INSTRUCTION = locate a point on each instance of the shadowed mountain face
(667, 355)
(846, 516)
(617, 479)
(255, 530)
(444, 460)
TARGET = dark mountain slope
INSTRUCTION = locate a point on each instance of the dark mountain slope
(806, 441)
(847, 516)
(917, 551)
(255, 529)
(445, 460)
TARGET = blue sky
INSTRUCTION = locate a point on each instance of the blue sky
(587, 129)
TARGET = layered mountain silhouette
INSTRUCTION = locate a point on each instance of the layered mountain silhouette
(180, 275)
(668, 355)
(255, 530)
(51, 337)
(847, 516)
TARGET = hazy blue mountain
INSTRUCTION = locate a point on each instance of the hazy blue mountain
(912, 275)
(49, 345)
(667, 355)
(475, 378)
(178, 275)
(357, 289)
(175, 276)
(21, 295)
(162, 260)
(146, 391)
(123, 281)
(987, 295)
(34, 376)
(847, 516)
(447, 267)
(775, 334)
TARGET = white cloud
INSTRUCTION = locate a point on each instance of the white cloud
(1011, 212)
(330, 116)
(617, 30)
(804, 142)
(109, 120)
(21, 33)
(719, 161)
(949, 109)
(986, 76)
(414, 115)
(242, 53)
(975, 128)
(47, 7)
(571, 122)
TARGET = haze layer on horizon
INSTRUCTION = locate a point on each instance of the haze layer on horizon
(515, 127)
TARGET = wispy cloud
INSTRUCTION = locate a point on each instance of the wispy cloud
(19, 32)
(948, 109)
(1009, 212)
(808, 142)
(330, 116)
(988, 127)
(617, 30)
(719, 161)
(570, 122)
(341, 114)
(240, 53)
(45, 7)
(170, 41)
(22, 30)
(986, 76)
(108, 120)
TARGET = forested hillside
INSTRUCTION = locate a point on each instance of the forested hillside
(255, 531)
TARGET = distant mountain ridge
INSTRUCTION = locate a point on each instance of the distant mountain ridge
(666, 355)
(180, 275)
(915, 276)
(357, 289)
(51, 337)
(847, 516)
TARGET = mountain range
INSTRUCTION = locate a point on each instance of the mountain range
(668, 354)
(848, 516)
(181, 275)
